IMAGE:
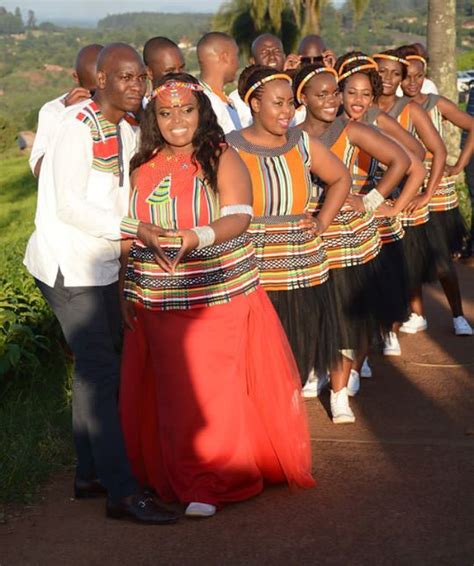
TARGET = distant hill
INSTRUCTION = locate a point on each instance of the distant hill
(175, 26)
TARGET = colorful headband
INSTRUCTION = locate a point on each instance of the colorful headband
(358, 69)
(391, 58)
(309, 76)
(176, 93)
(356, 58)
(263, 81)
(417, 58)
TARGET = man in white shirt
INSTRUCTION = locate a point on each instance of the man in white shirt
(218, 57)
(84, 75)
(73, 254)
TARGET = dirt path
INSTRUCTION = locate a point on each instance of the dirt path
(396, 488)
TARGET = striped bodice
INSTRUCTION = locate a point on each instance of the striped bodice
(351, 238)
(288, 257)
(400, 111)
(171, 193)
(281, 180)
(445, 196)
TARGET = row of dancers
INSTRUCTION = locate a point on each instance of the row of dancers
(326, 226)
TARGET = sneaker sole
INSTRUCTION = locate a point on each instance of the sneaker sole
(463, 333)
(352, 393)
(392, 352)
(310, 395)
(344, 419)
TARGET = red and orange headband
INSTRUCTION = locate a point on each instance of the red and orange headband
(391, 58)
(176, 93)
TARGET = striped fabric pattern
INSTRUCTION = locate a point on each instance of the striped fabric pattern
(445, 196)
(288, 257)
(421, 215)
(170, 192)
(352, 238)
(206, 277)
(105, 139)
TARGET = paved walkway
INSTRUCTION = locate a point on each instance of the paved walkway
(396, 488)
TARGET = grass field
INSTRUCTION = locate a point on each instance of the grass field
(34, 389)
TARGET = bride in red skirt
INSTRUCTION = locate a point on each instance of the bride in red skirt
(210, 399)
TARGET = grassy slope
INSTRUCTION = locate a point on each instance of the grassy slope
(34, 393)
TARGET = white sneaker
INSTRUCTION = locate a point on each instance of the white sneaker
(196, 509)
(462, 327)
(366, 370)
(414, 324)
(341, 412)
(315, 384)
(353, 385)
(392, 345)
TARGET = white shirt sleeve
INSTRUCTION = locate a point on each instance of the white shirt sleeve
(72, 161)
(48, 120)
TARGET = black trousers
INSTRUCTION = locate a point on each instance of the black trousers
(90, 320)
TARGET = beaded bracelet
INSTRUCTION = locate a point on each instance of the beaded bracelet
(206, 236)
(372, 200)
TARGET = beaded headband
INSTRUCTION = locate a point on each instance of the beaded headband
(391, 58)
(309, 76)
(356, 58)
(263, 81)
(417, 58)
(355, 70)
(176, 93)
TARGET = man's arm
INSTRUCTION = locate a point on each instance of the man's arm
(47, 123)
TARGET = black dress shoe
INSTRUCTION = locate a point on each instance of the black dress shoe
(141, 508)
(88, 489)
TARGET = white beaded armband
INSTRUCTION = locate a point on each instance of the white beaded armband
(372, 200)
(206, 236)
(236, 209)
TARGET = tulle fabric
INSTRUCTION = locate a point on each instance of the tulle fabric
(420, 256)
(210, 402)
(452, 227)
(310, 319)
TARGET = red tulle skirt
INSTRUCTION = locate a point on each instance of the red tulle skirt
(211, 403)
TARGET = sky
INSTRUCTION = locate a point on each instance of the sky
(60, 11)
(89, 11)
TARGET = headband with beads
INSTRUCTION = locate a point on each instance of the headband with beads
(356, 58)
(417, 58)
(309, 76)
(176, 93)
(358, 69)
(391, 58)
(263, 81)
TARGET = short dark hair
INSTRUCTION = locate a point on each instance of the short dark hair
(158, 42)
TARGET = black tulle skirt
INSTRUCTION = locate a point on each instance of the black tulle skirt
(451, 227)
(354, 289)
(310, 320)
(395, 292)
(420, 255)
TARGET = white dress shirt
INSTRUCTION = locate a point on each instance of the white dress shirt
(48, 119)
(80, 204)
(227, 115)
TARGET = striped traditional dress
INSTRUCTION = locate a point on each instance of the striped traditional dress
(292, 262)
(170, 192)
(445, 196)
(352, 238)
(288, 257)
(400, 111)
